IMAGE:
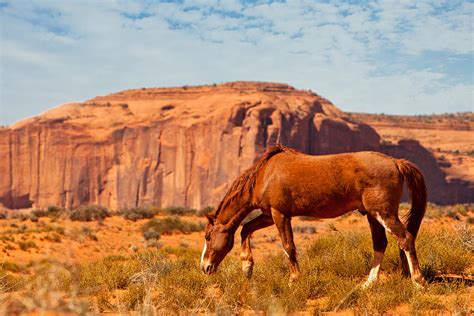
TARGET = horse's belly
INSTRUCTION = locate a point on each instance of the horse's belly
(326, 213)
(321, 208)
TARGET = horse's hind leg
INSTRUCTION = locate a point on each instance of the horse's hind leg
(283, 224)
(246, 257)
(406, 242)
(379, 242)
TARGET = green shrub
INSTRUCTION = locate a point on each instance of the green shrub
(179, 211)
(54, 237)
(89, 213)
(304, 229)
(138, 213)
(168, 225)
(10, 266)
(89, 233)
(151, 233)
(53, 212)
(205, 210)
(25, 245)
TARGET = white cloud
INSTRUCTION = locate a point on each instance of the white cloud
(358, 56)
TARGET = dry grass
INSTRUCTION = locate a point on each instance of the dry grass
(168, 280)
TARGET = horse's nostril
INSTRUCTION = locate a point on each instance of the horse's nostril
(208, 268)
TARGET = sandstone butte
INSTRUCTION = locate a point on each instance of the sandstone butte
(180, 146)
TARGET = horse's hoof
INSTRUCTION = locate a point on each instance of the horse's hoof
(367, 285)
(419, 284)
(293, 279)
(247, 268)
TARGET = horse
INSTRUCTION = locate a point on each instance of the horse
(285, 183)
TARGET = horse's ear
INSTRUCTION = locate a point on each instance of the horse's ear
(211, 218)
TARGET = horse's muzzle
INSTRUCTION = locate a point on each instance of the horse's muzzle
(207, 268)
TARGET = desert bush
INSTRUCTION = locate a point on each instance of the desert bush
(54, 237)
(151, 233)
(25, 245)
(52, 228)
(179, 211)
(134, 296)
(22, 216)
(304, 229)
(89, 213)
(442, 252)
(109, 273)
(10, 266)
(7, 237)
(455, 211)
(9, 282)
(138, 213)
(465, 235)
(53, 212)
(170, 224)
(89, 233)
(205, 210)
(50, 287)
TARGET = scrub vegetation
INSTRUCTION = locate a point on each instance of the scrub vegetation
(167, 280)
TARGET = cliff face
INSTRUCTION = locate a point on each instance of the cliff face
(164, 147)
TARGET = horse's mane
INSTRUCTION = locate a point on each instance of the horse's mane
(246, 181)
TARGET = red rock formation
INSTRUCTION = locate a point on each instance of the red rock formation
(164, 147)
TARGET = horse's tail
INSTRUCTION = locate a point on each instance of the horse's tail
(417, 189)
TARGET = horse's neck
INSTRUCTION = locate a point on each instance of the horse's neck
(234, 214)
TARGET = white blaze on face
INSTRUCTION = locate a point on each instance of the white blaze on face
(203, 251)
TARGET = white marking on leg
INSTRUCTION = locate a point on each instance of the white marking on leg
(374, 272)
(381, 221)
(410, 263)
(203, 252)
(286, 253)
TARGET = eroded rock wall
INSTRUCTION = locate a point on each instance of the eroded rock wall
(165, 147)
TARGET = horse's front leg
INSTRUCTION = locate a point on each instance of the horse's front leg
(246, 257)
(283, 224)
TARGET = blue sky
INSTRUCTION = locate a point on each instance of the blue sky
(402, 57)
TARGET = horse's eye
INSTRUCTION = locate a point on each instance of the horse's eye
(207, 237)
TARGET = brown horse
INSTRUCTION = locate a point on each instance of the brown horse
(285, 183)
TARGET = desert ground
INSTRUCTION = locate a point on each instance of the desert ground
(147, 261)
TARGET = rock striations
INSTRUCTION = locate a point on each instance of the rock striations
(168, 146)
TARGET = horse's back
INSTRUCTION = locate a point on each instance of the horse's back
(337, 167)
(306, 183)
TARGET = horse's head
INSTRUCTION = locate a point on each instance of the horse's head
(219, 240)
